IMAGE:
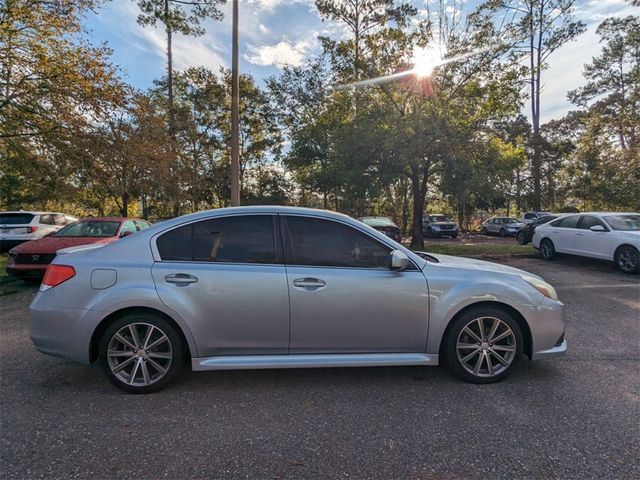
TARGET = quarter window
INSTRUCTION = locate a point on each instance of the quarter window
(128, 226)
(238, 239)
(326, 243)
(567, 222)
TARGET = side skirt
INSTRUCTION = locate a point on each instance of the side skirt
(253, 362)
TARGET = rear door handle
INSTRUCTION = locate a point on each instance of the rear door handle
(580, 234)
(180, 278)
(309, 283)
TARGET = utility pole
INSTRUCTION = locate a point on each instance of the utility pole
(235, 113)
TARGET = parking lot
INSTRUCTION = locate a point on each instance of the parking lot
(573, 417)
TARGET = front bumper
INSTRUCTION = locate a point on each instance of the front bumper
(547, 327)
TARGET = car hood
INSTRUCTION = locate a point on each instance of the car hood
(474, 264)
(53, 244)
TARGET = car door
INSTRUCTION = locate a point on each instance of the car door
(343, 296)
(494, 225)
(593, 244)
(563, 233)
(225, 277)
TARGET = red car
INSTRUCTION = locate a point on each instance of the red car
(30, 259)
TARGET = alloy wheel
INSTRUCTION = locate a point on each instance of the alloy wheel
(628, 260)
(486, 347)
(139, 354)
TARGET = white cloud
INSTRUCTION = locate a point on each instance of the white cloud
(263, 29)
(280, 54)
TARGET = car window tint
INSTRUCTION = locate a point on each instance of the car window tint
(589, 221)
(239, 239)
(141, 224)
(529, 216)
(15, 218)
(567, 222)
(326, 243)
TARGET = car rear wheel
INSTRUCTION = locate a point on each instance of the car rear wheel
(627, 259)
(141, 353)
(521, 239)
(547, 249)
(483, 345)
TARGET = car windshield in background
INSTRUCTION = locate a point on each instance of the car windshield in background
(89, 229)
(15, 218)
(510, 220)
(378, 221)
(624, 222)
(439, 218)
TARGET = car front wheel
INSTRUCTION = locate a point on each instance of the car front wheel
(484, 231)
(547, 250)
(627, 259)
(521, 239)
(141, 353)
(483, 345)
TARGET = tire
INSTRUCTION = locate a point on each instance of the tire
(502, 232)
(484, 231)
(521, 238)
(454, 236)
(627, 259)
(547, 249)
(463, 351)
(152, 368)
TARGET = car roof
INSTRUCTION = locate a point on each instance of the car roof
(609, 213)
(108, 219)
(32, 212)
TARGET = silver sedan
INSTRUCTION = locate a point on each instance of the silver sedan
(278, 287)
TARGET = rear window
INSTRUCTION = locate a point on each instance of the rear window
(15, 218)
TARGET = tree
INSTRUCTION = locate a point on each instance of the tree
(177, 16)
(613, 78)
(52, 85)
(544, 26)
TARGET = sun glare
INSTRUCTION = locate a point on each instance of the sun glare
(425, 60)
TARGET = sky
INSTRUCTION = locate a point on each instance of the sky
(278, 32)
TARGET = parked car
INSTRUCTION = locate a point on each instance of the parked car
(384, 225)
(502, 226)
(284, 287)
(604, 235)
(525, 234)
(438, 225)
(30, 259)
(21, 226)
(529, 217)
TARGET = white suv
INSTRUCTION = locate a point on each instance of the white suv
(20, 226)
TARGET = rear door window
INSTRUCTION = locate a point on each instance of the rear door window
(15, 218)
(238, 239)
(567, 222)
(589, 221)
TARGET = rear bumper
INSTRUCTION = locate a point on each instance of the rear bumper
(26, 271)
(61, 332)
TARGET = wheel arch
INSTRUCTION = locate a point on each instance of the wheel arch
(517, 316)
(113, 316)
(615, 252)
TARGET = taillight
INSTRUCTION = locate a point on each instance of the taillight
(55, 275)
(32, 229)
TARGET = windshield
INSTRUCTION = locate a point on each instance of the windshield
(89, 228)
(440, 218)
(624, 222)
(378, 221)
(510, 220)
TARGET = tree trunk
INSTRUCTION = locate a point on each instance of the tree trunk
(124, 210)
(419, 192)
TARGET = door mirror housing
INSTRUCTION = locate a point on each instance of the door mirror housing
(398, 260)
(598, 228)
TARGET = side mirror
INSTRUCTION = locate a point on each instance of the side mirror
(126, 234)
(398, 260)
(598, 228)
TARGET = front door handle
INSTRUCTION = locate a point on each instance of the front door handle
(180, 278)
(309, 283)
(580, 234)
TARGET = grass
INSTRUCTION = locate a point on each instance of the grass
(478, 249)
(3, 264)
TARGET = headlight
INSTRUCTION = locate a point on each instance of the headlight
(540, 285)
